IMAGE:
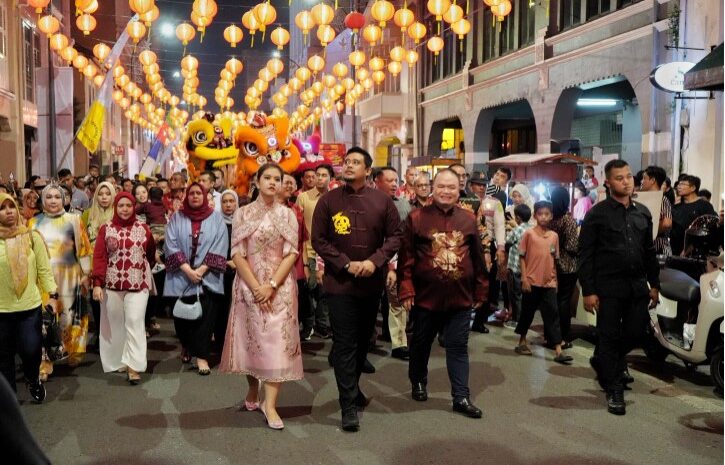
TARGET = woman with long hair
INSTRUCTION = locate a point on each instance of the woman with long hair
(100, 213)
(196, 257)
(121, 265)
(69, 251)
(24, 259)
(263, 340)
(564, 225)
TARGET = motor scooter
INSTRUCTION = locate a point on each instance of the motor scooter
(685, 301)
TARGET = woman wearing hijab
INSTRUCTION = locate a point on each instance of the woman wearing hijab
(69, 251)
(263, 340)
(520, 195)
(196, 257)
(100, 213)
(30, 205)
(121, 265)
(24, 258)
(565, 227)
(229, 205)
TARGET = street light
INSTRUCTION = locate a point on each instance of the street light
(177, 74)
(167, 30)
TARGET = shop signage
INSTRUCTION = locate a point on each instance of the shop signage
(670, 77)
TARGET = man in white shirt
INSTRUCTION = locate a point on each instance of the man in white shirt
(207, 180)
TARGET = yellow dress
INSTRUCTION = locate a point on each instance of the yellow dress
(69, 250)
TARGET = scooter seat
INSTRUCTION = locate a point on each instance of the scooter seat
(679, 286)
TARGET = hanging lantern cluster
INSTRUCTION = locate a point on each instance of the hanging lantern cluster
(269, 73)
(259, 18)
(499, 8)
(202, 14)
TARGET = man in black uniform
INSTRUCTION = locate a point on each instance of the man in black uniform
(616, 262)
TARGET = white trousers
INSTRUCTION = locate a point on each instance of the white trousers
(397, 320)
(123, 330)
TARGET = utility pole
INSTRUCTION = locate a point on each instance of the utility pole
(51, 113)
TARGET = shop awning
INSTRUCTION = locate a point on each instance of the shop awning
(707, 74)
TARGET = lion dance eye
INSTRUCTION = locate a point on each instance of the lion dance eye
(199, 137)
(272, 141)
(251, 148)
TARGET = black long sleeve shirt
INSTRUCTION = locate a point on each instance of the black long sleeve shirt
(616, 252)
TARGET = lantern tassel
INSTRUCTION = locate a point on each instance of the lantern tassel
(252, 41)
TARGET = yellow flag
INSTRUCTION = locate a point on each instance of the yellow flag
(91, 129)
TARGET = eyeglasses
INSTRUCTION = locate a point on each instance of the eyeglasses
(352, 162)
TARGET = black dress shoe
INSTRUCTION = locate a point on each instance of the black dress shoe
(368, 367)
(419, 392)
(480, 328)
(350, 421)
(615, 402)
(401, 352)
(36, 390)
(626, 377)
(465, 407)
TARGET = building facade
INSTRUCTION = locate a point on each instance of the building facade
(574, 69)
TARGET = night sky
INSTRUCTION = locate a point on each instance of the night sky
(214, 51)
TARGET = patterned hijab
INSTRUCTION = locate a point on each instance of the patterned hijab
(97, 215)
(17, 244)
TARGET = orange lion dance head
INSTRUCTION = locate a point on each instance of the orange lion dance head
(265, 140)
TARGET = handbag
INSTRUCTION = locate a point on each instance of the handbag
(52, 339)
(185, 311)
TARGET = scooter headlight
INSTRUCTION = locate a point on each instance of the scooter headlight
(714, 289)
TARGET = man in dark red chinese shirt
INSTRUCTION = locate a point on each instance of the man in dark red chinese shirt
(442, 276)
(356, 231)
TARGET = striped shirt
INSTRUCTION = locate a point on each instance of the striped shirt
(662, 241)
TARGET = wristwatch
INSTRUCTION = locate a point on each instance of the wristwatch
(273, 283)
(53, 296)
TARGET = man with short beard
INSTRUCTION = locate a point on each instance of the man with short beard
(356, 231)
(422, 191)
(407, 190)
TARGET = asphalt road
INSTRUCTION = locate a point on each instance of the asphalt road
(535, 411)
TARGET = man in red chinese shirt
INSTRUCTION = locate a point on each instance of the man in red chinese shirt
(442, 276)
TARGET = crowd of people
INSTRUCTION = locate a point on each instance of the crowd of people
(95, 259)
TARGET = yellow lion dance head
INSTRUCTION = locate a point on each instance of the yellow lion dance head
(209, 144)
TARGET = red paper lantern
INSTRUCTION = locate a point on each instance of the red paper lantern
(354, 21)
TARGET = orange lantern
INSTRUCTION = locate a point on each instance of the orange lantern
(397, 53)
(411, 56)
(348, 83)
(304, 22)
(372, 33)
(39, 5)
(438, 8)
(201, 22)
(280, 37)
(150, 16)
(79, 62)
(205, 8)
(501, 10)
(91, 8)
(86, 23)
(453, 14)
(185, 33)
(339, 89)
(233, 65)
(189, 63)
(140, 6)
(89, 70)
(59, 41)
(325, 34)
(295, 84)
(49, 24)
(275, 65)
(265, 14)
(147, 57)
(233, 34)
(261, 85)
(435, 44)
(101, 51)
(376, 63)
(250, 21)
(340, 107)
(136, 30)
(329, 81)
(361, 74)
(227, 75)
(316, 63)
(98, 80)
(302, 74)
(340, 70)
(417, 31)
(382, 11)
(266, 75)
(322, 14)
(404, 18)
(461, 27)
(378, 77)
(357, 58)
(394, 67)
(82, 6)
(317, 87)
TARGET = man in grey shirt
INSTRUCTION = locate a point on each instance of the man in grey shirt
(79, 200)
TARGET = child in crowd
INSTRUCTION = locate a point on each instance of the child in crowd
(539, 250)
(522, 215)
(155, 211)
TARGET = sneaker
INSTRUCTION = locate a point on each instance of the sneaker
(615, 402)
(36, 390)
(306, 334)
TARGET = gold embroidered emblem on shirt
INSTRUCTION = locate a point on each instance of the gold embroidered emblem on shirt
(447, 253)
(341, 223)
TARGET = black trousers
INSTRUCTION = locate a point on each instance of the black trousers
(621, 324)
(454, 326)
(567, 283)
(352, 320)
(195, 335)
(544, 300)
(21, 333)
(222, 314)
(304, 309)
